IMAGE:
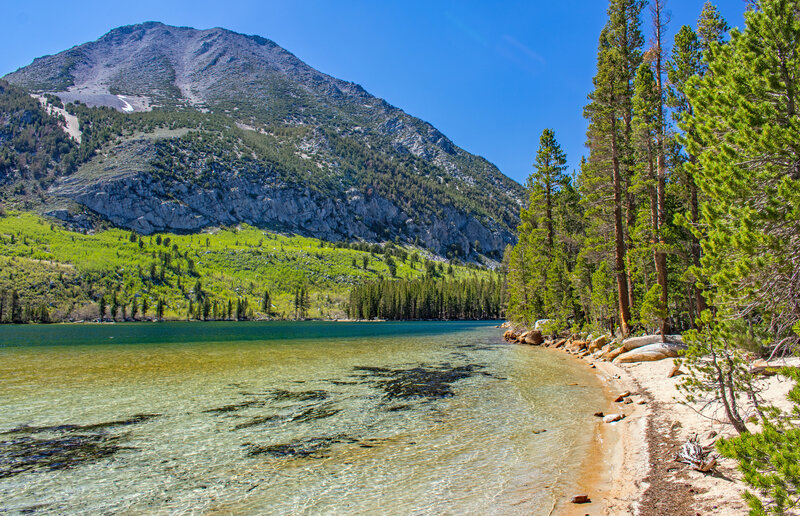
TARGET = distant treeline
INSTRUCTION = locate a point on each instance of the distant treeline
(428, 298)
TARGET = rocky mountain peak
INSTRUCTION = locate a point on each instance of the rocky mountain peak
(327, 131)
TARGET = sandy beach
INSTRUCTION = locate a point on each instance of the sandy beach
(632, 468)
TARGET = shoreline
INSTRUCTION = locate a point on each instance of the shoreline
(340, 320)
(617, 455)
(630, 467)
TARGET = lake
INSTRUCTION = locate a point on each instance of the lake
(287, 418)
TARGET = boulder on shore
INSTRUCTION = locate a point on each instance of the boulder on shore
(576, 346)
(598, 343)
(651, 352)
(611, 354)
(534, 338)
(637, 342)
(509, 336)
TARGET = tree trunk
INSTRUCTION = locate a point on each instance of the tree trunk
(619, 236)
(549, 222)
(700, 301)
(660, 255)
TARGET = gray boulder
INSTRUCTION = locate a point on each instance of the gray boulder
(651, 352)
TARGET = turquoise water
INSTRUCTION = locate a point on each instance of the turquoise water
(287, 418)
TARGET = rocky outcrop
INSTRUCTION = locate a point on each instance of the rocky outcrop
(146, 204)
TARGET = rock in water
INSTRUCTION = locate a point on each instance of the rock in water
(611, 418)
(581, 498)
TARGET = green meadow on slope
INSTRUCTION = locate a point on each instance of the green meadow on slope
(65, 274)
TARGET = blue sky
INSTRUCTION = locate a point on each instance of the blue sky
(490, 75)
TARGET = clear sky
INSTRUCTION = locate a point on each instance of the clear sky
(491, 75)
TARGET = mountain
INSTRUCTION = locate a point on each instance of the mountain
(182, 129)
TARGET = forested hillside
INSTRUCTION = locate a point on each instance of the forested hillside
(49, 274)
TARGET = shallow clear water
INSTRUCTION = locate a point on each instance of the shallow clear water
(287, 418)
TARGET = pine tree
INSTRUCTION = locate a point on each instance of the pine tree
(114, 307)
(744, 130)
(770, 459)
(547, 180)
(266, 302)
(686, 62)
(660, 19)
(15, 308)
(711, 26)
(646, 122)
(610, 115)
(160, 307)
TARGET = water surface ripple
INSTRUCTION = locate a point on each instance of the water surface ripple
(287, 418)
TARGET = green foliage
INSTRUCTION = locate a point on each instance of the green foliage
(711, 26)
(540, 265)
(603, 298)
(428, 298)
(770, 459)
(70, 273)
(744, 130)
(652, 311)
(33, 146)
(742, 127)
(611, 247)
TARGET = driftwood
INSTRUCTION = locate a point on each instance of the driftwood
(694, 455)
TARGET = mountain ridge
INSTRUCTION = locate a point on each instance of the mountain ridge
(336, 129)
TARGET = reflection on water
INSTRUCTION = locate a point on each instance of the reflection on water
(277, 418)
